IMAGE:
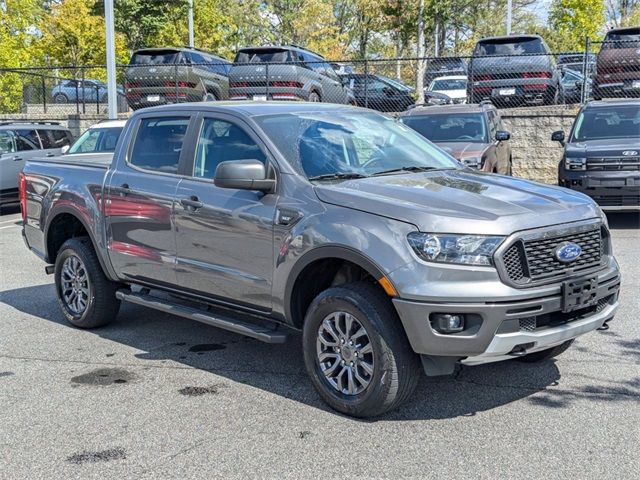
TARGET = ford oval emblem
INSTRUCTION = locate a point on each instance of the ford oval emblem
(629, 153)
(567, 252)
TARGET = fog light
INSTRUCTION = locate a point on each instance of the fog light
(447, 322)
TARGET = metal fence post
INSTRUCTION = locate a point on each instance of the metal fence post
(470, 96)
(84, 106)
(366, 83)
(585, 71)
(266, 83)
(175, 80)
(44, 95)
(75, 82)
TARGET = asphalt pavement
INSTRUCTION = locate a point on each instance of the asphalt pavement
(154, 396)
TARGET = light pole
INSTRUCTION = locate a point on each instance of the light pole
(509, 8)
(191, 40)
(112, 92)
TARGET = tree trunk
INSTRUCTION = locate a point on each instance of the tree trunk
(421, 60)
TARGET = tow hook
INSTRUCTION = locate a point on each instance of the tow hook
(604, 327)
(49, 269)
(521, 350)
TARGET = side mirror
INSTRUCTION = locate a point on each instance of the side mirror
(65, 149)
(243, 175)
(502, 136)
(558, 137)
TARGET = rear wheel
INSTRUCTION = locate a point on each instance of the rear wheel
(546, 354)
(356, 351)
(314, 97)
(60, 98)
(85, 295)
(209, 97)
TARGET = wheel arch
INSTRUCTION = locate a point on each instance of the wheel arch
(327, 265)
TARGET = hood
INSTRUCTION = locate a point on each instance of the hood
(603, 148)
(461, 201)
(460, 150)
(452, 93)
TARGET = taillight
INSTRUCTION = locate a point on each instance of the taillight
(173, 84)
(238, 84)
(128, 85)
(537, 75)
(286, 84)
(22, 193)
(483, 78)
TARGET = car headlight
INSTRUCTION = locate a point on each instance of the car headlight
(460, 249)
(473, 162)
(579, 163)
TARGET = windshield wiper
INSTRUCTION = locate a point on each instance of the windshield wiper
(412, 168)
(338, 176)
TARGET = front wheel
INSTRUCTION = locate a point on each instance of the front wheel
(356, 351)
(314, 97)
(85, 295)
(543, 355)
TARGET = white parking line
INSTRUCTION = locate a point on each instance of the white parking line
(10, 226)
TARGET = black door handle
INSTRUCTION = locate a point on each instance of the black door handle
(124, 189)
(191, 203)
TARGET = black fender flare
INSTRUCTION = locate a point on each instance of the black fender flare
(327, 252)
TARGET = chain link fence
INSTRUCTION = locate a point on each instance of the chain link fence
(603, 70)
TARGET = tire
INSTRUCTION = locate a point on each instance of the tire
(100, 303)
(543, 355)
(209, 97)
(394, 367)
(314, 97)
(60, 98)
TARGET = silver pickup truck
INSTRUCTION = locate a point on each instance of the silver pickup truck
(261, 218)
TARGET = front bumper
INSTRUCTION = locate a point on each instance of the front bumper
(503, 328)
(612, 191)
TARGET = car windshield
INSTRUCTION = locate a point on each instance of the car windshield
(97, 140)
(156, 57)
(510, 46)
(350, 143)
(620, 121)
(397, 84)
(262, 55)
(623, 39)
(449, 127)
(450, 84)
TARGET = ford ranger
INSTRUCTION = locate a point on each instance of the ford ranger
(261, 218)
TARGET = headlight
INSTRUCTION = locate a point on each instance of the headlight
(575, 163)
(461, 249)
(473, 162)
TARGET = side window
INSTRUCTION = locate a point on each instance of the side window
(329, 72)
(27, 140)
(46, 139)
(221, 141)
(158, 143)
(219, 68)
(60, 138)
(197, 58)
(7, 142)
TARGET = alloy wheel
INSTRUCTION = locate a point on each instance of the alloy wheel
(75, 285)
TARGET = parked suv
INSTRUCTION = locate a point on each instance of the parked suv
(513, 70)
(444, 66)
(285, 73)
(618, 65)
(174, 75)
(602, 156)
(22, 141)
(473, 134)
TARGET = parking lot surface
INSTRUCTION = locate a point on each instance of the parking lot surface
(156, 396)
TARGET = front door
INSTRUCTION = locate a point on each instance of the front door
(139, 200)
(16, 147)
(225, 236)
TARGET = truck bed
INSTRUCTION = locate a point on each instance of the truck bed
(98, 160)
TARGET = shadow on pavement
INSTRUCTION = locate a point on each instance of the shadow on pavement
(279, 369)
(624, 220)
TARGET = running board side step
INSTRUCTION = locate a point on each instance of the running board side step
(259, 332)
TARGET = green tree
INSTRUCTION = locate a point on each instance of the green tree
(571, 21)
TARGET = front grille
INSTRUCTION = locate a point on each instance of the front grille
(527, 324)
(617, 200)
(613, 163)
(533, 259)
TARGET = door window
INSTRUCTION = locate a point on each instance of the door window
(53, 138)
(158, 143)
(221, 141)
(27, 140)
(7, 143)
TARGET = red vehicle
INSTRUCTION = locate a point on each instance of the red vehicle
(618, 65)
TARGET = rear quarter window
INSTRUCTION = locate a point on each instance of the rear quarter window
(510, 46)
(158, 144)
(159, 57)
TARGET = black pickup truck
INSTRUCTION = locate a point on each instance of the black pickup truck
(263, 217)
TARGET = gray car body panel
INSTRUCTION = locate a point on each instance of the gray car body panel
(365, 221)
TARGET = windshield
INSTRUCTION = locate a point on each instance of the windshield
(397, 84)
(156, 57)
(451, 127)
(452, 84)
(622, 39)
(97, 140)
(510, 46)
(621, 121)
(350, 142)
(445, 64)
(262, 55)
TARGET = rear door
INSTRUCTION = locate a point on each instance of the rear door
(225, 236)
(139, 197)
